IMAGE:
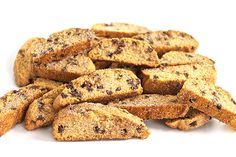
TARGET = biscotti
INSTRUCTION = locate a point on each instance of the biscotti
(117, 30)
(165, 41)
(23, 62)
(153, 106)
(100, 86)
(126, 51)
(66, 69)
(61, 44)
(194, 119)
(182, 58)
(41, 112)
(89, 121)
(210, 99)
(14, 104)
(169, 79)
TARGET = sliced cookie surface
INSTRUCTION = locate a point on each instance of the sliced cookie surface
(100, 86)
(182, 58)
(89, 121)
(23, 62)
(194, 119)
(61, 44)
(117, 30)
(41, 112)
(169, 79)
(165, 41)
(126, 51)
(153, 106)
(210, 99)
(66, 69)
(14, 104)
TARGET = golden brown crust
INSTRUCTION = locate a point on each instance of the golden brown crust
(46, 83)
(102, 65)
(23, 62)
(100, 86)
(126, 51)
(90, 121)
(169, 79)
(117, 30)
(165, 41)
(153, 106)
(41, 112)
(211, 100)
(194, 119)
(14, 104)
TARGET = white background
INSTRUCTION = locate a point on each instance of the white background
(212, 23)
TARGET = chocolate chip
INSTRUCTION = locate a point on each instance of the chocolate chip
(234, 102)
(109, 92)
(123, 132)
(177, 73)
(121, 44)
(114, 41)
(156, 77)
(214, 93)
(40, 117)
(186, 75)
(50, 49)
(109, 54)
(62, 55)
(87, 85)
(203, 92)
(49, 40)
(71, 107)
(193, 124)
(134, 43)
(189, 55)
(100, 86)
(21, 52)
(140, 128)
(192, 100)
(75, 93)
(68, 33)
(40, 104)
(63, 95)
(69, 86)
(119, 76)
(149, 49)
(99, 130)
(118, 89)
(118, 50)
(61, 128)
(146, 96)
(194, 67)
(219, 106)
(14, 91)
(108, 25)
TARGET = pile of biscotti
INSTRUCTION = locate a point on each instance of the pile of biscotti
(103, 82)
